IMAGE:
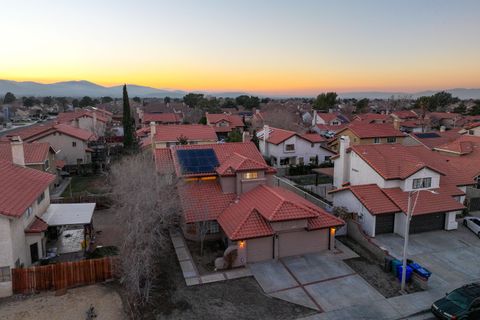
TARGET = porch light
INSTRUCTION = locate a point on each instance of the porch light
(332, 232)
(241, 244)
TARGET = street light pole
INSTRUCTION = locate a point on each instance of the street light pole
(405, 244)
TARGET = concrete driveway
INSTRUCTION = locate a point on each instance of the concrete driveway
(453, 257)
(321, 281)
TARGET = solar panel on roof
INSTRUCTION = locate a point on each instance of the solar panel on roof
(428, 135)
(197, 161)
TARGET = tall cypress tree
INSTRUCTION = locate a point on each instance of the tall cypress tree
(128, 139)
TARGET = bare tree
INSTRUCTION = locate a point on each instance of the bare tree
(147, 204)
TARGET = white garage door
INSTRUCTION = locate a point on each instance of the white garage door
(302, 242)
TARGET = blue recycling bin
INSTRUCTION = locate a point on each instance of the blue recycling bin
(421, 271)
(408, 274)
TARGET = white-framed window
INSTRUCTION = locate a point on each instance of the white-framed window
(391, 139)
(376, 140)
(290, 147)
(421, 183)
(471, 132)
(28, 212)
(5, 274)
(250, 175)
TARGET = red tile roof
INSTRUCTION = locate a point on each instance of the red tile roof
(313, 137)
(203, 200)
(405, 114)
(463, 145)
(35, 153)
(437, 138)
(327, 117)
(444, 115)
(193, 132)
(365, 130)
(371, 117)
(392, 161)
(162, 117)
(78, 133)
(472, 125)
(30, 133)
(223, 151)
(372, 198)
(427, 202)
(64, 117)
(411, 124)
(164, 161)
(37, 226)
(233, 119)
(251, 215)
(238, 162)
(276, 135)
(334, 129)
(20, 187)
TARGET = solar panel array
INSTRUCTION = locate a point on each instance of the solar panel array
(428, 135)
(194, 161)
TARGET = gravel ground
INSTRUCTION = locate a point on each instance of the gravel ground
(233, 299)
(368, 268)
(72, 305)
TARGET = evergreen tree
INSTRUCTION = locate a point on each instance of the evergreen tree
(255, 139)
(128, 139)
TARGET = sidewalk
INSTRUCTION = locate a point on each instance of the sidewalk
(57, 192)
(190, 272)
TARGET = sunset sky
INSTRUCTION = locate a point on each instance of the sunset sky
(259, 46)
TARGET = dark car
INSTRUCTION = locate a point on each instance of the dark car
(461, 303)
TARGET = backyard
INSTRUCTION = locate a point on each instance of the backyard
(81, 185)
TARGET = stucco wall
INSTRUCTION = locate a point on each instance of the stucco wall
(289, 225)
(259, 249)
(302, 242)
(66, 151)
(347, 200)
(362, 173)
(407, 184)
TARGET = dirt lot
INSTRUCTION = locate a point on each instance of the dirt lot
(72, 305)
(108, 230)
(233, 299)
(369, 268)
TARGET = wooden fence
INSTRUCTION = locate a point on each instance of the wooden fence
(62, 275)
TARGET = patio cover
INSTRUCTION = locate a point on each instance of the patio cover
(69, 214)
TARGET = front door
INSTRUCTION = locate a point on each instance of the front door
(34, 252)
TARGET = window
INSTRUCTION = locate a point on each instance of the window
(28, 213)
(213, 227)
(284, 161)
(79, 161)
(422, 183)
(471, 132)
(327, 158)
(46, 165)
(5, 274)
(313, 160)
(376, 140)
(74, 144)
(391, 139)
(300, 161)
(289, 147)
(250, 175)
(312, 145)
(40, 198)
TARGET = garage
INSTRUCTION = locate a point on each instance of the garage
(302, 242)
(259, 249)
(384, 223)
(427, 222)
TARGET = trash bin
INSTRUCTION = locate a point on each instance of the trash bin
(395, 264)
(408, 274)
(388, 264)
(421, 271)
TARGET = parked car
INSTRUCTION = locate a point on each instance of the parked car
(461, 303)
(472, 223)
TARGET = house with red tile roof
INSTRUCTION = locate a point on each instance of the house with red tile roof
(25, 197)
(227, 192)
(35, 155)
(372, 117)
(161, 118)
(404, 115)
(375, 181)
(94, 121)
(447, 120)
(328, 118)
(166, 136)
(361, 133)
(472, 129)
(434, 139)
(224, 123)
(71, 143)
(283, 147)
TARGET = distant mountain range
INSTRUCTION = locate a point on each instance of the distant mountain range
(86, 88)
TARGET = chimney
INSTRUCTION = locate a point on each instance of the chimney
(314, 120)
(342, 163)
(266, 133)
(396, 124)
(245, 136)
(18, 154)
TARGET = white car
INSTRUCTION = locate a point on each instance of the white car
(472, 223)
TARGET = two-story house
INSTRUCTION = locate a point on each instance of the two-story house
(228, 193)
(161, 118)
(94, 121)
(376, 182)
(329, 119)
(165, 136)
(224, 123)
(283, 148)
(368, 133)
(71, 143)
(24, 199)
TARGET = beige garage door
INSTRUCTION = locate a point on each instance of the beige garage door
(302, 242)
(259, 249)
